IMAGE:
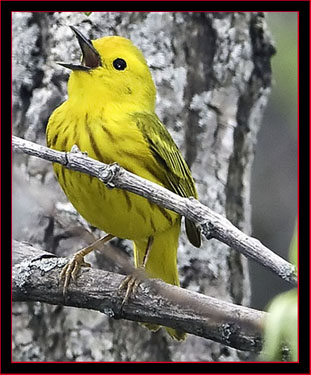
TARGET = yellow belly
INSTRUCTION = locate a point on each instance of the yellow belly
(115, 211)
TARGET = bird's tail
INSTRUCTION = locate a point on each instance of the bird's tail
(161, 264)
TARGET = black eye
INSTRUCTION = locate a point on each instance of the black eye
(119, 64)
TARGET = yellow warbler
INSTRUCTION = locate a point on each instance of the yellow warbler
(110, 114)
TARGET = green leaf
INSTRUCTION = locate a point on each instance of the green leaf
(87, 13)
(281, 329)
(293, 248)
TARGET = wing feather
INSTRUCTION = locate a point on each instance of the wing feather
(173, 171)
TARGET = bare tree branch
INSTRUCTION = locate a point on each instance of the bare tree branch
(36, 273)
(213, 225)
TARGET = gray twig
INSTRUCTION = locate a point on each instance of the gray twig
(213, 225)
(36, 273)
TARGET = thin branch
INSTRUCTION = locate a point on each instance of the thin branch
(36, 273)
(213, 225)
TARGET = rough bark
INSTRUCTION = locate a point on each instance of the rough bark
(213, 74)
(35, 274)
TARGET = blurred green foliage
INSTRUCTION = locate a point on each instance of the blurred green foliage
(284, 29)
(281, 330)
(293, 251)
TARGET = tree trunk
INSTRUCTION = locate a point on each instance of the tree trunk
(213, 74)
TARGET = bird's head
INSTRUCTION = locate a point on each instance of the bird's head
(112, 72)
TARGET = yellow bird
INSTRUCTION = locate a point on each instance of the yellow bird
(110, 114)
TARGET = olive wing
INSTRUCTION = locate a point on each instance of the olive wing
(174, 172)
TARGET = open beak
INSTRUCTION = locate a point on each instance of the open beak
(91, 58)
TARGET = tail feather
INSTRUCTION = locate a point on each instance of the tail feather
(193, 233)
(174, 333)
(161, 264)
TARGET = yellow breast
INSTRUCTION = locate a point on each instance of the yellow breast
(118, 212)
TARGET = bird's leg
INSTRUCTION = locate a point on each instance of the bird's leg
(131, 282)
(71, 269)
(147, 252)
